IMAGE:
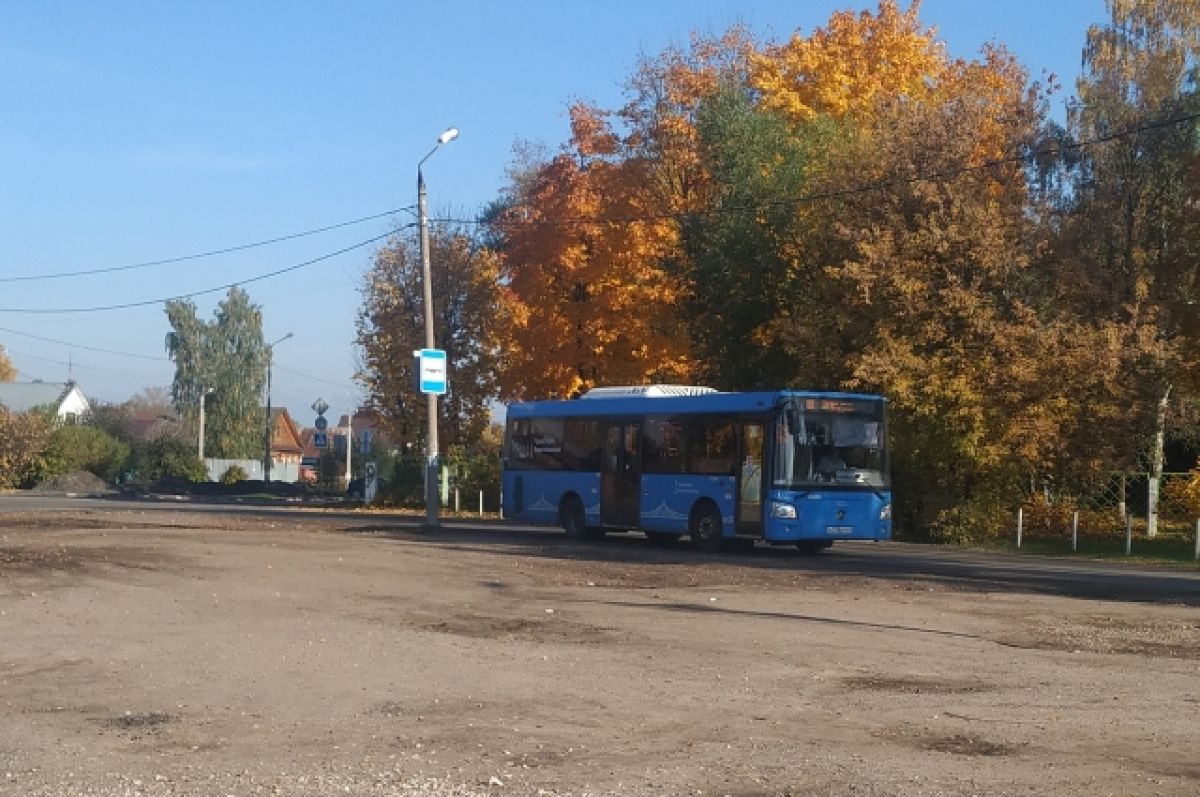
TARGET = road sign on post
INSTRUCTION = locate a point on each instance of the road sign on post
(431, 370)
(321, 439)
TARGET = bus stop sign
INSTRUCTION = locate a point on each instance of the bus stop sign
(431, 370)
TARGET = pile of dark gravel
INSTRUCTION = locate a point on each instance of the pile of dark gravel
(79, 481)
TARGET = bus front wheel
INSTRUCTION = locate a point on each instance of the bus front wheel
(574, 522)
(706, 528)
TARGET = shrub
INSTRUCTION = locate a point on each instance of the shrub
(23, 441)
(166, 459)
(1185, 492)
(1045, 518)
(73, 448)
(234, 474)
(966, 523)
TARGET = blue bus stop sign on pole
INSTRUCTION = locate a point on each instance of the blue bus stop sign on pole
(432, 371)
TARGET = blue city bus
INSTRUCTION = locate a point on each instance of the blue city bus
(787, 467)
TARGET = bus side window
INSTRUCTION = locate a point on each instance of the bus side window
(663, 445)
(520, 444)
(711, 446)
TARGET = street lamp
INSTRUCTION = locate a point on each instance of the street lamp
(267, 441)
(431, 464)
(205, 393)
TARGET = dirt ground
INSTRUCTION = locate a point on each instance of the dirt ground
(169, 652)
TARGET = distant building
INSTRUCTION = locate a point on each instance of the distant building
(65, 399)
(286, 443)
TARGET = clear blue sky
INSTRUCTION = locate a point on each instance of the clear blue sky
(140, 131)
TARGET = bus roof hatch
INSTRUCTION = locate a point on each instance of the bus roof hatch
(646, 391)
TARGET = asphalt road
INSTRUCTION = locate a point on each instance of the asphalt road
(894, 561)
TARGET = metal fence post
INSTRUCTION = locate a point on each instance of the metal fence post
(456, 500)
(1020, 521)
(1196, 552)
(481, 503)
(1075, 532)
(1128, 534)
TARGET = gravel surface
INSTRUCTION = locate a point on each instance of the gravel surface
(170, 652)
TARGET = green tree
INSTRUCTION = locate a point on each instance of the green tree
(754, 263)
(228, 356)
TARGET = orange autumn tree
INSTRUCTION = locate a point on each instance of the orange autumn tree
(583, 247)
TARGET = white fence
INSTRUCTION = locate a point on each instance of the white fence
(280, 471)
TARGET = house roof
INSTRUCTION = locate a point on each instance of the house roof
(285, 437)
(24, 396)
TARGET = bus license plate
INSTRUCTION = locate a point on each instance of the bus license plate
(839, 531)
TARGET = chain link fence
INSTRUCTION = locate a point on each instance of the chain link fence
(1129, 493)
(1122, 498)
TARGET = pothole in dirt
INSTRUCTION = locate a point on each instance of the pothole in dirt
(128, 722)
(21, 560)
(963, 744)
(389, 708)
(915, 686)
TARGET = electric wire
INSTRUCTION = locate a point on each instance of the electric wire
(193, 294)
(83, 347)
(199, 255)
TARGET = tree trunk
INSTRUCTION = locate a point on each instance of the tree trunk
(1156, 465)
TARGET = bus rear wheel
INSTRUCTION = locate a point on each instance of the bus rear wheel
(705, 528)
(574, 522)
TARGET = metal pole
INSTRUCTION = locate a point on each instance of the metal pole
(200, 435)
(1075, 532)
(1128, 534)
(1020, 521)
(481, 504)
(431, 429)
(349, 445)
(267, 434)
(1196, 553)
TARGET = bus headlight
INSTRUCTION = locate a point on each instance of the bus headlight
(886, 512)
(781, 510)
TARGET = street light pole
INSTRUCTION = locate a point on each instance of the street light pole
(267, 440)
(205, 393)
(431, 434)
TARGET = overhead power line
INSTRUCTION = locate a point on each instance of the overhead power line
(82, 347)
(199, 255)
(204, 292)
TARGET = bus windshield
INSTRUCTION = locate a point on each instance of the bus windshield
(829, 448)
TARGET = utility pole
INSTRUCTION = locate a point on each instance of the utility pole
(431, 464)
(270, 430)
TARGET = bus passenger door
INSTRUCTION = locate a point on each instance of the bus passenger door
(750, 480)
(621, 478)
